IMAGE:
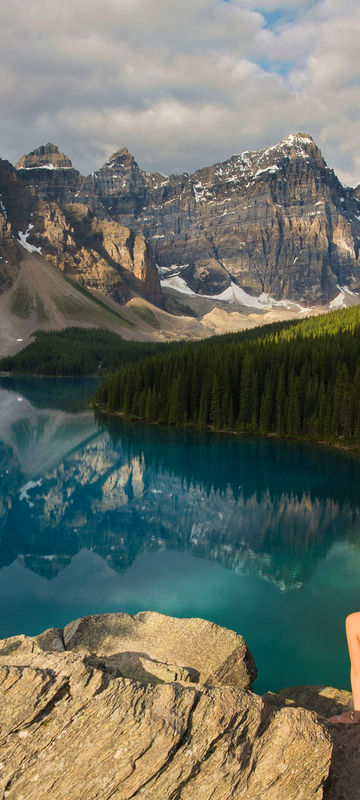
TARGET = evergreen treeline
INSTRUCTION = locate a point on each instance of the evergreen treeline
(297, 379)
(78, 351)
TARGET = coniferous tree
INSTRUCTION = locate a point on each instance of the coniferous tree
(266, 406)
(215, 403)
(280, 402)
(296, 379)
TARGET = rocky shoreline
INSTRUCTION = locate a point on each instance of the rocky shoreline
(116, 706)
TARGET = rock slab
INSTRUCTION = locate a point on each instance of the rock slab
(210, 654)
(344, 776)
(71, 726)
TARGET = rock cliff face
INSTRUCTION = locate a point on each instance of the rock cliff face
(119, 189)
(101, 254)
(16, 205)
(47, 157)
(50, 174)
(8, 254)
(277, 221)
(101, 710)
(274, 221)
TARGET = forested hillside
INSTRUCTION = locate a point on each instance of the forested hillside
(292, 379)
(78, 351)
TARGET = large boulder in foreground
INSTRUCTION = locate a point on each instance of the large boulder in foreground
(73, 727)
(210, 654)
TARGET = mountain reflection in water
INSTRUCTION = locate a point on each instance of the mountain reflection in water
(258, 535)
(257, 507)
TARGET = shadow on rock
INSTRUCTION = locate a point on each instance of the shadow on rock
(344, 775)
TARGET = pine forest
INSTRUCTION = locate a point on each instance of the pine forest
(298, 380)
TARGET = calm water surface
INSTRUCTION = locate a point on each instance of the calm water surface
(257, 535)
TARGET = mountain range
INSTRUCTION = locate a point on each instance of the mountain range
(264, 235)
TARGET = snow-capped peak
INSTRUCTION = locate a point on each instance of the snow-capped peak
(297, 138)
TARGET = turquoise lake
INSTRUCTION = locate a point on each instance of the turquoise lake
(258, 535)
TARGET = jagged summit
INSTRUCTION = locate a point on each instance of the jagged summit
(121, 158)
(294, 138)
(294, 145)
(123, 151)
(274, 221)
(299, 144)
(47, 156)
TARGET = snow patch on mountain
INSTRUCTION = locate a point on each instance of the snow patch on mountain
(296, 138)
(23, 240)
(3, 208)
(201, 193)
(269, 302)
(273, 168)
(340, 300)
(24, 491)
(44, 166)
(177, 283)
(233, 295)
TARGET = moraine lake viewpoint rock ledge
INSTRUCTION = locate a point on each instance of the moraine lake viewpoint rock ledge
(116, 706)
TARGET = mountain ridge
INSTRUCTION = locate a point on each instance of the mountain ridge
(275, 220)
(264, 235)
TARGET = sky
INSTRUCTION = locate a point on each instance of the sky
(180, 84)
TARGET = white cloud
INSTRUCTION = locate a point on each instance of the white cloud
(181, 84)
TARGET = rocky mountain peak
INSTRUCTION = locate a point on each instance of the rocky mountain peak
(123, 151)
(122, 158)
(300, 139)
(300, 145)
(118, 189)
(47, 156)
(294, 146)
(273, 221)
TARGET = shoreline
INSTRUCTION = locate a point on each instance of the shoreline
(42, 375)
(342, 446)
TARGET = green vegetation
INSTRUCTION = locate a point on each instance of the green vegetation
(83, 290)
(23, 304)
(73, 308)
(41, 314)
(21, 301)
(147, 316)
(78, 351)
(172, 306)
(291, 379)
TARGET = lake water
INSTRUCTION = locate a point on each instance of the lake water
(257, 535)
